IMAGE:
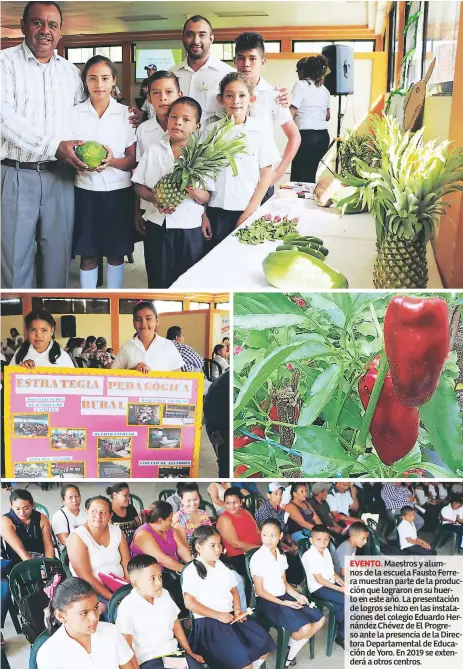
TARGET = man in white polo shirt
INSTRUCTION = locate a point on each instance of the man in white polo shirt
(342, 499)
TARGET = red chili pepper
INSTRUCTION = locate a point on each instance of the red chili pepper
(416, 341)
(242, 468)
(273, 415)
(394, 427)
(240, 442)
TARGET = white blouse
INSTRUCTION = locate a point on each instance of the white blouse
(105, 559)
(271, 570)
(214, 591)
(42, 359)
(161, 355)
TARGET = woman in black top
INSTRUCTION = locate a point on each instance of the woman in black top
(123, 512)
(25, 534)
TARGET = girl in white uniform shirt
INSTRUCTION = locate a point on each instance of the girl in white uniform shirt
(69, 516)
(278, 600)
(104, 196)
(237, 197)
(40, 349)
(77, 639)
(209, 590)
(147, 350)
(310, 107)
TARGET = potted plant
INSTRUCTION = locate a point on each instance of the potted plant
(405, 194)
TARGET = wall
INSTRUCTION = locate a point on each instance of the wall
(437, 117)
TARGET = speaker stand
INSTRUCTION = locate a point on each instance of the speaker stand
(337, 139)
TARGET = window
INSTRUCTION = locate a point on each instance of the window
(57, 305)
(392, 48)
(162, 306)
(359, 46)
(226, 50)
(12, 307)
(414, 42)
(441, 23)
(223, 306)
(196, 306)
(79, 56)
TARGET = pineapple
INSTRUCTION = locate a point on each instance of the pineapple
(405, 193)
(198, 161)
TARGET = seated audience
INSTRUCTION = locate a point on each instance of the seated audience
(322, 509)
(217, 493)
(409, 541)
(358, 537)
(452, 517)
(219, 357)
(302, 516)
(238, 529)
(70, 516)
(123, 512)
(100, 358)
(192, 361)
(342, 499)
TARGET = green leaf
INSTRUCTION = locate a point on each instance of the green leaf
(442, 419)
(319, 395)
(350, 415)
(245, 357)
(258, 339)
(260, 373)
(245, 304)
(366, 329)
(325, 302)
(322, 454)
(313, 346)
(411, 460)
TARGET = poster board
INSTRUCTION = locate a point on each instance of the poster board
(102, 423)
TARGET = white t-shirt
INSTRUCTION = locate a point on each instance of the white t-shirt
(42, 359)
(154, 164)
(203, 85)
(312, 103)
(148, 133)
(406, 530)
(151, 625)
(421, 496)
(109, 650)
(264, 564)
(450, 515)
(220, 494)
(105, 559)
(65, 521)
(161, 355)
(113, 129)
(214, 591)
(316, 563)
(266, 110)
(233, 193)
(340, 502)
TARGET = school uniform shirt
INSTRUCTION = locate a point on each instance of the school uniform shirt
(263, 564)
(342, 551)
(150, 625)
(42, 359)
(450, 515)
(312, 103)
(406, 530)
(203, 85)
(104, 559)
(233, 193)
(315, 562)
(154, 164)
(340, 502)
(113, 129)
(161, 355)
(266, 110)
(65, 521)
(149, 132)
(214, 591)
(109, 650)
(421, 496)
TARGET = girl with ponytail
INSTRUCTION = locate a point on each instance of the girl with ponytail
(210, 592)
(40, 349)
(77, 638)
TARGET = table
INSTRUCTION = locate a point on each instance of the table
(351, 241)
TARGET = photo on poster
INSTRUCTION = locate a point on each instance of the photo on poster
(114, 447)
(174, 472)
(143, 413)
(31, 470)
(178, 414)
(68, 470)
(108, 469)
(160, 438)
(63, 438)
(30, 426)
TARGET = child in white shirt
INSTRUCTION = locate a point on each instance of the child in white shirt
(322, 580)
(147, 618)
(408, 537)
(174, 239)
(40, 348)
(103, 195)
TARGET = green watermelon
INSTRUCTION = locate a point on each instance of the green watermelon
(91, 153)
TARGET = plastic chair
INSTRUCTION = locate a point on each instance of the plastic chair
(135, 498)
(204, 505)
(249, 503)
(42, 509)
(441, 536)
(38, 643)
(209, 364)
(303, 546)
(64, 557)
(283, 634)
(116, 599)
(81, 362)
(164, 494)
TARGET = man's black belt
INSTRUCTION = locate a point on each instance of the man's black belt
(41, 166)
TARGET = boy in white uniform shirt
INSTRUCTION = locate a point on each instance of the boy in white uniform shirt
(452, 517)
(322, 580)
(147, 618)
(408, 536)
(174, 240)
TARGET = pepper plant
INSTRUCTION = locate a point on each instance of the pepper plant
(315, 386)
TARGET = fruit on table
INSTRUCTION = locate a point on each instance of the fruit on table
(91, 153)
(394, 427)
(244, 440)
(416, 341)
(294, 270)
(199, 161)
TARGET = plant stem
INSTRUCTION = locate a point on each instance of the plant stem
(370, 410)
(376, 322)
(338, 408)
(276, 422)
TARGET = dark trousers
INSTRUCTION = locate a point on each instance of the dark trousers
(314, 144)
(223, 224)
(170, 253)
(455, 529)
(337, 599)
(418, 550)
(158, 664)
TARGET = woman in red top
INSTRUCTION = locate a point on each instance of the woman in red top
(238, 529)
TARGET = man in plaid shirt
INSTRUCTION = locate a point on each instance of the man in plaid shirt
(192, 361)
(397, 495)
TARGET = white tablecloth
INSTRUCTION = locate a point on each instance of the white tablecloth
(351, 241)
